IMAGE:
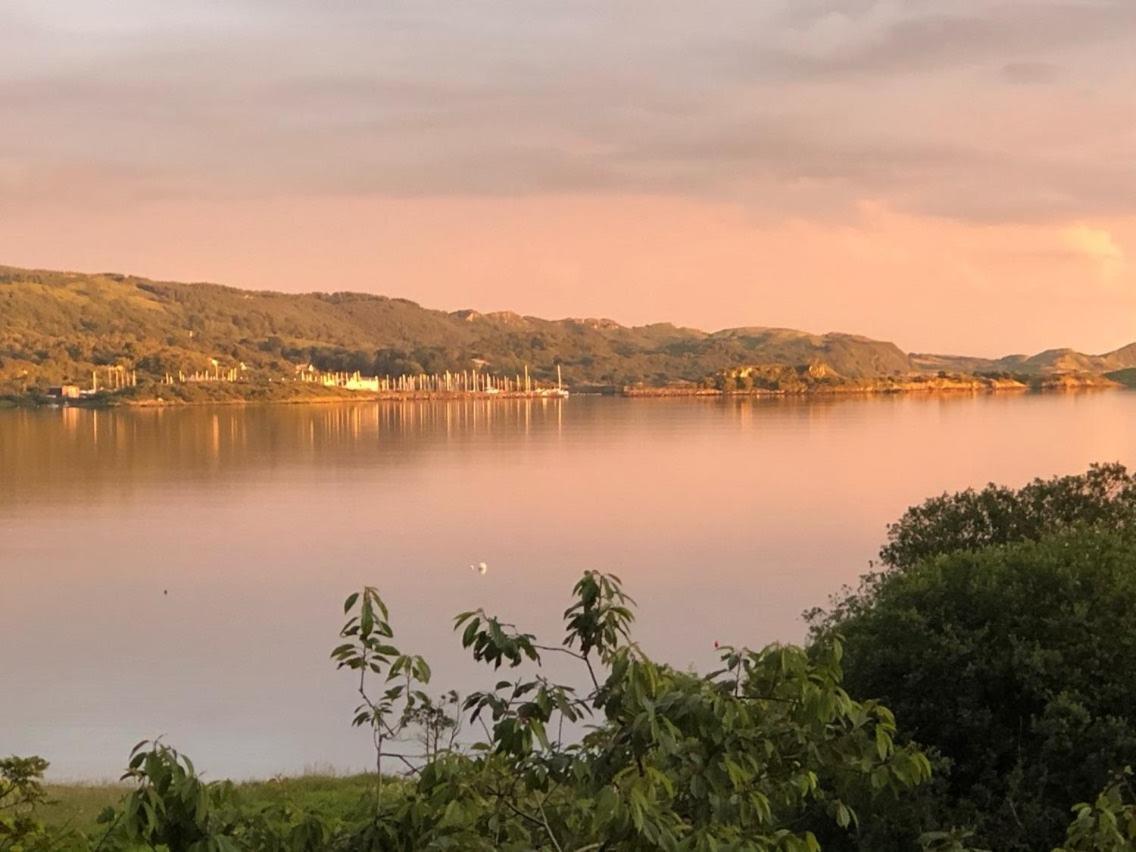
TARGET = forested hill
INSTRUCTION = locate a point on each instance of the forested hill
(58, 325)
(1049, 361)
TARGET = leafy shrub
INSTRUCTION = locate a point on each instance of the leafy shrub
(752, 756)
(738, 758)
(1008, 651)
(21, 791)
(1108, 824)
(968, 520)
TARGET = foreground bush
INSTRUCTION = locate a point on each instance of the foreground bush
(1014, 662)
(757, 755)
(741, 758)
(1103, 497)
(21, 793)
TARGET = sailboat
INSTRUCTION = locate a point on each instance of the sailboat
(560, 392)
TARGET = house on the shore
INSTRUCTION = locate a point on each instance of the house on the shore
(65, 391)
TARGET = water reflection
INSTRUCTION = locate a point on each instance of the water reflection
(61, 453)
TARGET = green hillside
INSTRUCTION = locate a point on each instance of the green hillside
(57, 326)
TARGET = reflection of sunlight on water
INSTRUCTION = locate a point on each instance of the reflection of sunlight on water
(725, 518)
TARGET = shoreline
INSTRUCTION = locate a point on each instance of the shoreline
(932, 386)
(884, 387)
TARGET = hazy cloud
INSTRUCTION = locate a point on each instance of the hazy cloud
(1030, 73)
(793, 107)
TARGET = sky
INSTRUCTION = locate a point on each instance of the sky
(953, 175)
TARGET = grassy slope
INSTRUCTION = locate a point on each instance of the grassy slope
(1049, 361)
(57, 325)
(78, 805)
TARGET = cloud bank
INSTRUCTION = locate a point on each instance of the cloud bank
(975, 110)
(1013, 116)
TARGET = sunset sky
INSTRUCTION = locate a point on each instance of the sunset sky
(953, 175)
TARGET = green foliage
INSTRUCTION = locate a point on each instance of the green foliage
(1103, 496)
(21, 792)
(741, 758)
(1108, 824)
(336, 798)
(1008, 650)
(760, 754)
(22, 798)
(170, 806)
(368, 651)
(600, 619)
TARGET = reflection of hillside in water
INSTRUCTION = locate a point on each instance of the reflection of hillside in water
(65, 449)
(70, 452)
(74, 454)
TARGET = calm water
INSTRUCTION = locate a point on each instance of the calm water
(725, 519)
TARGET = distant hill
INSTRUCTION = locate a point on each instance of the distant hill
(59, 325)
(1049, 361)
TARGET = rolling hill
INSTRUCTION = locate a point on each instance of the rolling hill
(56, 326)
(1049, 361)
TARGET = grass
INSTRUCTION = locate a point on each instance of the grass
(77, 806)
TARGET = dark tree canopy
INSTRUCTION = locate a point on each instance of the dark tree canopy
(1103, 496)
(1002, 632)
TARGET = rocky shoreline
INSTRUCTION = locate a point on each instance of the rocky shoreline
(931, 384)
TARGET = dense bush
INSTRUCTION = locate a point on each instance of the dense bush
(21, 792)
(1104, 496)
(741, 758)
(1003, 635)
